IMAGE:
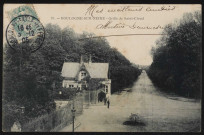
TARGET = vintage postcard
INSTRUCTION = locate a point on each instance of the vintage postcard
(102, 68)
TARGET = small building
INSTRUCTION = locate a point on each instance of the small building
(16, 127)
(60, 103)
(86, 76)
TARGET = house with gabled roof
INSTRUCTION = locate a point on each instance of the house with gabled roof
(84, 75)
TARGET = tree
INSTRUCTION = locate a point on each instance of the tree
(177, 57)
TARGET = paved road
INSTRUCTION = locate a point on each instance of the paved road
(158, 111)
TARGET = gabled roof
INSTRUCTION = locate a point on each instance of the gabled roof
(95, 70)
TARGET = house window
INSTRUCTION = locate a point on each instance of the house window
(106, 89)
(71, 86)
(65, 85)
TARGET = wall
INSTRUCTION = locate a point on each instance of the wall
(61, 103)
(69, 82)
(55, 120)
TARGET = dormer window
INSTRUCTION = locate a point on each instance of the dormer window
(83, 74)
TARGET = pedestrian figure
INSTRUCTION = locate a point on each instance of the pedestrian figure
(108, 102)
(105, 99)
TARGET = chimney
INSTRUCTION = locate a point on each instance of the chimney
(90, 59)
(81, 60)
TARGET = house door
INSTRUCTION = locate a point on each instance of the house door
(101, 96)
(83, 87)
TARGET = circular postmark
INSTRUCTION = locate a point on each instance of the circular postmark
(25, 30)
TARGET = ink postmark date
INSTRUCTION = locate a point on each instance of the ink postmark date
(25, 30)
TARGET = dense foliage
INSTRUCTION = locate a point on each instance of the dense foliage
(176, 63)
(31, 79)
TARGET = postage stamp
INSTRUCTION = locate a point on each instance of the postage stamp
(25, 28)
(27, 9)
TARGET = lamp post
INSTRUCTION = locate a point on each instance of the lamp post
(21, 110)
(73, 111)
(73, 116)
(89, 97)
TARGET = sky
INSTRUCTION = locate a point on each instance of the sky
(136, 48)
